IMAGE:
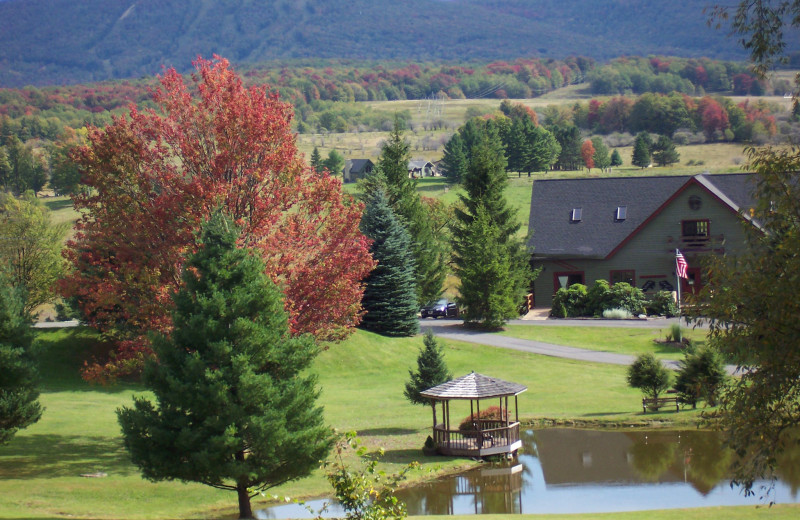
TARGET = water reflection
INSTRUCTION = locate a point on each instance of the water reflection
(584, 471)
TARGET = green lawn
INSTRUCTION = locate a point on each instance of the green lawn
(361, 379)
(632, 341)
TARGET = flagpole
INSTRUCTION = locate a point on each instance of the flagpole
(678, 280)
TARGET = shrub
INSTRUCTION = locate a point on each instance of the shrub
(617, 314)
(492, 413)
(625, 296)
(598, 298)
(662, 304)
(675, 333)
(569, 302)
(648, 375)
(701, 376)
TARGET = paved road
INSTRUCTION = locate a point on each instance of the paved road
(452, 329)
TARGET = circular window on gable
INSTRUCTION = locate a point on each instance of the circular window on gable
(695, 202)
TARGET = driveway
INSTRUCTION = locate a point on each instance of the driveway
(453, 329)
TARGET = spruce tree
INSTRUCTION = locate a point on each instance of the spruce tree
(664, 152)
(490, 261)
(641, 150)
(616, 158)
(454, 159)
(431, 370)
(316, 159)
(19, 405)
(401, 191)
(390, 299)
(601, 158)
(234, 406)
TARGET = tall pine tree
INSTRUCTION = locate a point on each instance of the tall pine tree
(390, 299)
(19, 405)
(316, 159)
(404, 199)
(234, 407)
(491, 262)
(641, 150)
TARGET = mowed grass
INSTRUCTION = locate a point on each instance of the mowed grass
(361, 379)
(631, 341)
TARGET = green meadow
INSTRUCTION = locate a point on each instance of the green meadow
(72, 463)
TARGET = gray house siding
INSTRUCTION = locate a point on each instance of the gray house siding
(649, 253)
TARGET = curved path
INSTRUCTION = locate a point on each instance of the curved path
(453, 329)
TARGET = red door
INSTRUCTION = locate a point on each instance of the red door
(693, 284)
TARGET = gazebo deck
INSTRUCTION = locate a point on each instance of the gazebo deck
(494, 438)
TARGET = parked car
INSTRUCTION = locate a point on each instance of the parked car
(442, 308)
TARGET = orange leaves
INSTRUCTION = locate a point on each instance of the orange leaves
(157, 174)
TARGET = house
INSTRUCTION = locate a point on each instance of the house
(418, 168)
(355, 169)
(627, 229)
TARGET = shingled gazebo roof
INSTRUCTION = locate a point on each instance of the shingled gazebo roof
(474, 386)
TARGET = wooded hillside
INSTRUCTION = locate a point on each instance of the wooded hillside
(63, 41)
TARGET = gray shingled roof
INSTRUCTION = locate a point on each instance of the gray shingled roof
(474, 386)
(598, 233)
(358, 165)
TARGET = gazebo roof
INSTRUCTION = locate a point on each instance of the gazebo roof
(473, 386)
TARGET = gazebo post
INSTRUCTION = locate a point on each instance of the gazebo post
(433, 407)
(516, 410)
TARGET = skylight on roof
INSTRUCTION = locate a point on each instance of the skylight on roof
(622, 212)
(577, 214)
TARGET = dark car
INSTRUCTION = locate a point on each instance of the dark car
(442, 308)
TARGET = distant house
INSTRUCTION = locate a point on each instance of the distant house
(418, 168)
(627, 229)
(355, 169)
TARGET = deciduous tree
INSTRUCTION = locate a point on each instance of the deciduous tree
(587, 154)
(30, 248)
(155, 175)
(234, 408)
(334, 162)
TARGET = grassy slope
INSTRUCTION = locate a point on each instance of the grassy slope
(606, 339)
(362, 381)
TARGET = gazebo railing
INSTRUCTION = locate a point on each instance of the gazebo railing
(490, 434)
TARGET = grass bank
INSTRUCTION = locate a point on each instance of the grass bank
(362, 381)
(619, 340)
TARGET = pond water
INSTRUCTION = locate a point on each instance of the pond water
(588, 471)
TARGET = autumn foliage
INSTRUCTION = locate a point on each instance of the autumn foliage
(587, 153)
(157, 174)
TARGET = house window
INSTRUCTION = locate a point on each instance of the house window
(623, 275)
(577, 214)
(565, 279)
(694, 228)
(622, 212)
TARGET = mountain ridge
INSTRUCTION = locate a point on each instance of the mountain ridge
(62, 41)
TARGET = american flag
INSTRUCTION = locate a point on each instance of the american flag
(681, 264)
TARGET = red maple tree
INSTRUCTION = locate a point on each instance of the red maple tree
(587, 152)
(156, 174)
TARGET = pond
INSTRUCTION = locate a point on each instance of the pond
(589, 471)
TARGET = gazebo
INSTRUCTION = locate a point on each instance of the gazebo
(485, 436)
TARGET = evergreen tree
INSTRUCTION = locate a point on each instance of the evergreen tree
(489, 285)
(544, 150)
(616, 158)
(454, 159)
(664, 152)
(431, 370)
(390, 299)
(489, 259)
(649, 375)
(316, 159)
(19, 405)
(234, 407)
(334, 162)
(641, 150)
(404, 199)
